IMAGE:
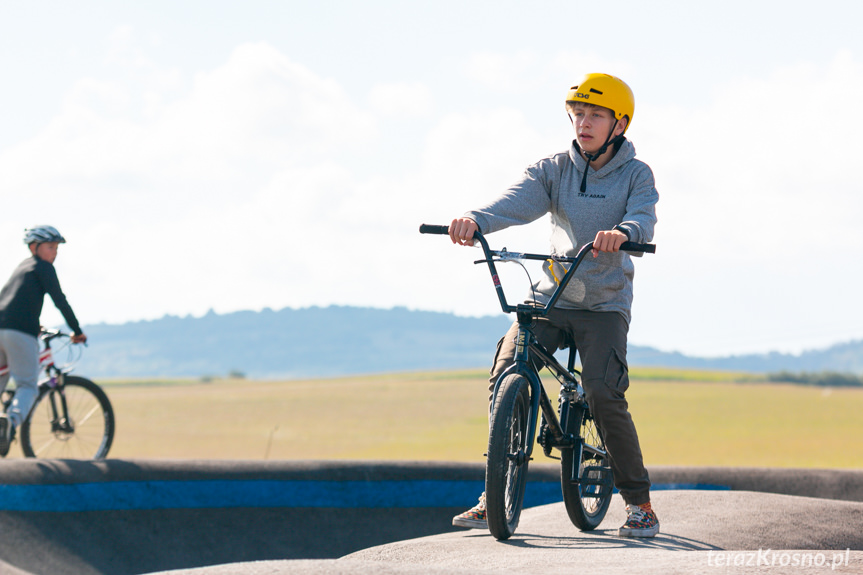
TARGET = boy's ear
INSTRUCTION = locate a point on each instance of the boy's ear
(621, 125)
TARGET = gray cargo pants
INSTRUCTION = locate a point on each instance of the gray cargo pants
(600, 338)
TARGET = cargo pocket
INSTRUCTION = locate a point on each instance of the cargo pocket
(617, 372)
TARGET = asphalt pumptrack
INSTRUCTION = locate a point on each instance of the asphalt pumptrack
(123, 517)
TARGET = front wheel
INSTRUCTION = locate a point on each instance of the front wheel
(506, 467)
(74, 420)
(586, 478)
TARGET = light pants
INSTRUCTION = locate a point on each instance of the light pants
(20, 351)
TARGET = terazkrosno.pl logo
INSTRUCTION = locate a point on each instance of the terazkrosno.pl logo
(769, 558)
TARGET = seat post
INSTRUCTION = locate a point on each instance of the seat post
(570, 365)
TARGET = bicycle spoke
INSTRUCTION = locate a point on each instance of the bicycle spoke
(41, 450)
(84, 419)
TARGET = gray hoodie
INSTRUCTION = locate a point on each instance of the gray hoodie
(621, 193)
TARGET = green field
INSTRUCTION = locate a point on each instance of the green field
(683, 417)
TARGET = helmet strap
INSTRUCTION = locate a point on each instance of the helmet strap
(609, 141)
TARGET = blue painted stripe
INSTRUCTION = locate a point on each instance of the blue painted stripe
(123, 495)
(146, 495)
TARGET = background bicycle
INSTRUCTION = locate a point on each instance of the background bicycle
(72, 417)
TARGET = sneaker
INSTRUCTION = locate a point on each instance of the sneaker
(641, 522)
(473, 518)
(5, 435)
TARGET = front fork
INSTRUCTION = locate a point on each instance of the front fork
(539, 400)
(56, 394)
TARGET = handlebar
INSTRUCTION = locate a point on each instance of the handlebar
(505, 255)
(433, 229)
(46, 334)
(625, 246)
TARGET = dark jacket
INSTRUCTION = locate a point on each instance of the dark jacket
(22, 297)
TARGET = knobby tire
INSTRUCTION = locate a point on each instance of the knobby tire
(506, 466)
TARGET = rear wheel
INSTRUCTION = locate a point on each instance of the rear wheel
(586, 478)
(74, 420)
(506, 467)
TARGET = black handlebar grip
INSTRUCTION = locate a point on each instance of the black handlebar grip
(634, 247)
(432, 229)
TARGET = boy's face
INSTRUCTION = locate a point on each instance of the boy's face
(46, 251)
(592, 126)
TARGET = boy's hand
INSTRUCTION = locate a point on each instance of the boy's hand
(608, 241)
(80, 338)
(461, 231)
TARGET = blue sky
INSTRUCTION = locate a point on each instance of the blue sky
(234, 156)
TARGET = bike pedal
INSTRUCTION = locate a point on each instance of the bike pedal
(604, 484)
(604, 475)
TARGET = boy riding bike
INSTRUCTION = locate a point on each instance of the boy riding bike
(20, 307)
(596, 191)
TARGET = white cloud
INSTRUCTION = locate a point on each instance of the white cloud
(186, 206)
(262, 183)
(758, 212)
(401, 100)
(120, 42)
(499, 71)
(573, 65)
(523, 71)
(758, 233)
(765, 158)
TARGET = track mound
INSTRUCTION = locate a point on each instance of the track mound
(132, 517)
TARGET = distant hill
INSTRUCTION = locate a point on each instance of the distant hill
(314, 342)
(842, 357)
(292, 343)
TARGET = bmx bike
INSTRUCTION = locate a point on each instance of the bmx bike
(520, 404)
(71, 417)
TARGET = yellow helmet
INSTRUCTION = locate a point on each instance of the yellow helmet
(606, 91)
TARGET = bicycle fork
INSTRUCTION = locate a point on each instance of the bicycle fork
(56, 393)
(539, 400)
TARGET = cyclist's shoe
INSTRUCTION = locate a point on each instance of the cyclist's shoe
(473, 518)
(641, 522)
(5, 434)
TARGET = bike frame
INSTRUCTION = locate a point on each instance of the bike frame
(54, 380)
(526, 343)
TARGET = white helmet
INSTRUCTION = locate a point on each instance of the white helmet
(42, 234)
